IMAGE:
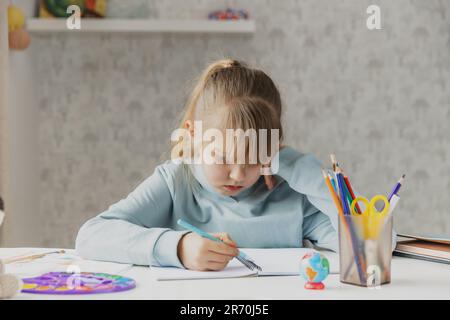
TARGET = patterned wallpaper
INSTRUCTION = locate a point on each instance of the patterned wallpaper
(379, 99)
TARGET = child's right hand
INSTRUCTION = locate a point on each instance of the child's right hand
(198, 253)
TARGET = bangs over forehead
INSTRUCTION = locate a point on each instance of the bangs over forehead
(247, 124)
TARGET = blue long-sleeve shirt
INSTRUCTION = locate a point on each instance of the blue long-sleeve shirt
(141, 229)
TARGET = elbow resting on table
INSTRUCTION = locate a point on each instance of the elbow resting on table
(85, 240)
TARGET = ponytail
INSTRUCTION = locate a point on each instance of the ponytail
(202, 83)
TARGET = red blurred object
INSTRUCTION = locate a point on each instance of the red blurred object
(228, 14)
(19, 39)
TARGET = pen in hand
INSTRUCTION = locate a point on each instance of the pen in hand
(242, 257)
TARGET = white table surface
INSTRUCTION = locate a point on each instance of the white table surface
(410, 279)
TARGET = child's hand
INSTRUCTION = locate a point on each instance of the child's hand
(198, 253)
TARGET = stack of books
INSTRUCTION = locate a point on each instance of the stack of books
(435, 249)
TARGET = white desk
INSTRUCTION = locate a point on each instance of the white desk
(411, 279)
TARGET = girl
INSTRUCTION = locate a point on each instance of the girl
(255, 210)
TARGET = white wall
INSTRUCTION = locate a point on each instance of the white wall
(3, 95)
(106, 105)
(19, 145)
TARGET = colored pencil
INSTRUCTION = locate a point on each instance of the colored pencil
(333, 161)
(333, 194)
(341, 183)
(352, 194)
(333, 183)
(348, 196)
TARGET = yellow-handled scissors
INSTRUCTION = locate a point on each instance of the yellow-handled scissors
(372, 218)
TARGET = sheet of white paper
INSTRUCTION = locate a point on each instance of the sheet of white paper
(234, 270)
(286, 261)
(279, 262)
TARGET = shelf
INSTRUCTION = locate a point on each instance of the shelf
(142, 26)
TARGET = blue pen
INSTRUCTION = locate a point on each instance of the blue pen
(341, 182)
(204, 234)
(397, 187)
(395, 190)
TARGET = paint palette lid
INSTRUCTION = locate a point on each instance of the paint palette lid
(77, 283)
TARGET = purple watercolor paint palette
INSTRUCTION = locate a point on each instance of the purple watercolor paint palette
(77, 283)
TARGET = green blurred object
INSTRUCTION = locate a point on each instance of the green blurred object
(58, 8)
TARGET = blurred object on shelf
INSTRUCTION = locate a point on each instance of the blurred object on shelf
(229, 14)
(129, 9)
(16, 18)
(18, 37)
(58, 8)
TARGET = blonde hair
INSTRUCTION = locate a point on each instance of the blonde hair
(247, 97)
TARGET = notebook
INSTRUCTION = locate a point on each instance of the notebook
(274, 262)
(436, 249)
(439, 239)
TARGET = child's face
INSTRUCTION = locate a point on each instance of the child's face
(231, 179)
(225, 174)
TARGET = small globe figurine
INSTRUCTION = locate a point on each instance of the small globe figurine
(314, 268)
